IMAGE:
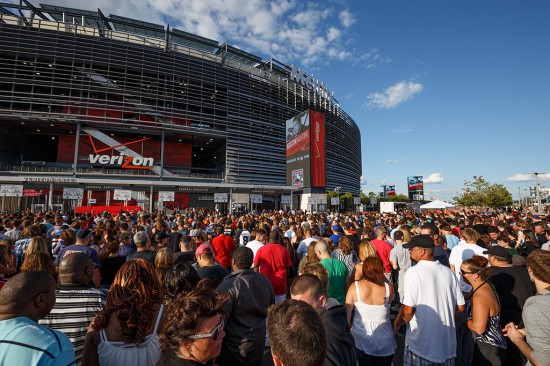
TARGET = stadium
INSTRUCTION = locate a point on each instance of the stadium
(92, 104)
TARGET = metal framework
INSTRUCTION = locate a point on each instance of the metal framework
(50, 69)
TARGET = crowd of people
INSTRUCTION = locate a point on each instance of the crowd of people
(199, 287)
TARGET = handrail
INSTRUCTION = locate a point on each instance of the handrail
(40, 169)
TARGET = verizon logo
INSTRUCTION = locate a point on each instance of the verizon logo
(125, 161)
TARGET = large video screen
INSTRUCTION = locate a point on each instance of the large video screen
(305, 150)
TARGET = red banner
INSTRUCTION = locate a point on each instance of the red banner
(318, 159)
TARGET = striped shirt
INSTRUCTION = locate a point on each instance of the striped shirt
(75, 308)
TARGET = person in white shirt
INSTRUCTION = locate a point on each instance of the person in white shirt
(258, 237)
(304, 244)
(245, 235)
(465, 250)
(432, 295)
(291, 232)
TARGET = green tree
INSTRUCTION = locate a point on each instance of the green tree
(365, 198)
(480, 192)
(346, 200)
(397, 198)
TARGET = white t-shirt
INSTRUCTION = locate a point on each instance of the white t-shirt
(459, 254)
(244, 238)
(254, 245)
(303, 246)
(290, 234)
(433, 290)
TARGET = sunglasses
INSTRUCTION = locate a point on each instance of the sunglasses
(214, 334)
(463, 272)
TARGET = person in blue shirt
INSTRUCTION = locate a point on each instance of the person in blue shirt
(24, 300)
(337, 234)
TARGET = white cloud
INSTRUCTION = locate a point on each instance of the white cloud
(401, 130)
(521, 178)
(390, 161)
(308, 34)
(384, 182)
(363, 181)
(372, 58)
(434, 178)
(347, 18)
(394, 95)
(432, 191)
(333, 34)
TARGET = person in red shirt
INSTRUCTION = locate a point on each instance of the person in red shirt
(223, 246)
(383, 249)
(273, 261)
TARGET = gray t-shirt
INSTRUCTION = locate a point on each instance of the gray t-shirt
(536, 317)
(403, 258)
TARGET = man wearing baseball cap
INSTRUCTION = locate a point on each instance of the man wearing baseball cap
(206, 266)
(337, 234)
(431, 296)
(83, 239)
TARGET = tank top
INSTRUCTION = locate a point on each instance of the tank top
(493, 334)
(120, 353)
(372, 328)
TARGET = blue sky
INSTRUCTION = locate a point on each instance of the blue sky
(443, 89)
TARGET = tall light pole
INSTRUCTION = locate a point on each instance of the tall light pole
(537, 187)
(519, 199)
(337, 190)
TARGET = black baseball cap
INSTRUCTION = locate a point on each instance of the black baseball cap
(83, 234)
(420, 241)
(498, 251)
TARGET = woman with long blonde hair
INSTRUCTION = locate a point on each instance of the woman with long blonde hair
(164, 261)
(37, 245)
(366, 250)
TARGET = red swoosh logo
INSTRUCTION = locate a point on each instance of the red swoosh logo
(114, 147)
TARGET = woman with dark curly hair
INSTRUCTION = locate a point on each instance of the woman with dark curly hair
(66, 238)
(124, 332)
(180, 280)
(345, 253)
(194, 334)
(110, 263)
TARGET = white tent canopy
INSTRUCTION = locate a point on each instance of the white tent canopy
(437, 204)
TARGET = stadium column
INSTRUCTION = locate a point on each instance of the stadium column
(50, 197)
(161, 155)
(76, 147)
(151, 198)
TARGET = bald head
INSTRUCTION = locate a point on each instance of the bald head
(21, 295)
(76, 268)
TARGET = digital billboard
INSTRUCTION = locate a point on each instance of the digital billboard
(390, 190)
(305, 150)
(416, 187)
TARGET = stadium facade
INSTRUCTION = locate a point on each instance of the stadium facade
(103, 103)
